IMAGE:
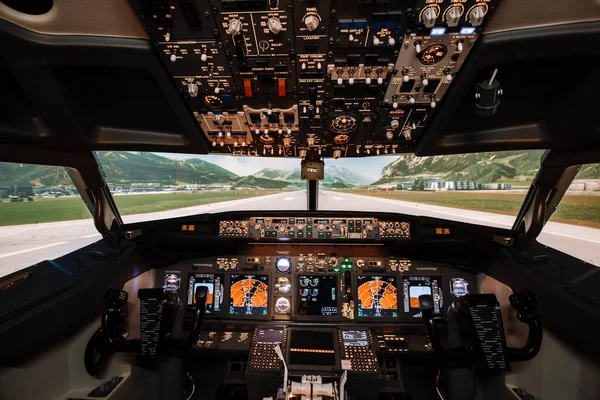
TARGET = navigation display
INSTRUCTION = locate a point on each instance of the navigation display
(377, 296)
(318, 295)
(249, 295)
(214, 285)
(355, 338)
(415, 286)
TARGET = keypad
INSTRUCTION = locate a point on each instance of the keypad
(361, 358)
(264, 358)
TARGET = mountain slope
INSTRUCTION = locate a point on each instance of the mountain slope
(30, 174)
(122, 167)
(480, 167)
(340, 176)
(264, 183)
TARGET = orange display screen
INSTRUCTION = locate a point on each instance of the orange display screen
(249, 295)
(377, 296)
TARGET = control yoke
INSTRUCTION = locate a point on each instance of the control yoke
(166, 332)
(464, 340)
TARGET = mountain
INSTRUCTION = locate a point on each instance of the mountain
(480, 167)
(27, 174)
(279, 174)
(339, 176)
(263, 183)
(122, 167)
(335, 174)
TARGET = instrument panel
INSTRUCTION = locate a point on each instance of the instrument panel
(294, 282)
(314, 228)
(305, 78)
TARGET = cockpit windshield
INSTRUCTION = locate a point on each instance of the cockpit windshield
(480, 188)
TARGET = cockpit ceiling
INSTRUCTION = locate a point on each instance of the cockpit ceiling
(88, 77)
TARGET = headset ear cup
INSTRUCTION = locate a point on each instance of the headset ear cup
(96, 353)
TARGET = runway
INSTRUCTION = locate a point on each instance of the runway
(24, 245)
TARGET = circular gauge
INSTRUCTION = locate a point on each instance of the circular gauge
(433, 54)
(266, 139)
(283, 264)
(333, 262)
(283, 284)
(341, 139)
(459, 287)
(172, 282)
(282, 305)
(213, 101)
(343, 124)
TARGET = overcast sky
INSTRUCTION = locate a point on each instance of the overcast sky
(369, 167)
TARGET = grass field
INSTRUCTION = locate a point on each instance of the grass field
(574, 209)
(581, 210)
(70, 208)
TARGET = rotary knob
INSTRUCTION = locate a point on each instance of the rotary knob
(192, 89)
(429, 16)
(453, 15)
(234, 27)
(476, 15)
(274, 25)
(311, 22)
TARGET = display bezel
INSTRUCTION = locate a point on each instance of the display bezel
(269, 297)
(296, 299)
(399, 308)
(407, 313)
(336, 349)
(224, 296)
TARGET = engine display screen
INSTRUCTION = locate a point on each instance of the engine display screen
(214, 285)
(249, 295)
(310, 347)
(377, 296)
(270, 336)
(318, 295)
(415, 286)
(355, 338)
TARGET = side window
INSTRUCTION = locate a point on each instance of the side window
(574, 228)
(42, 216)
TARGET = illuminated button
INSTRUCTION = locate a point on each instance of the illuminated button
(291, 234)
(291, 220)
(321, 235)
(308, 234)
(300, 234)
(281, 87)
(248, 87)
(328, 235)
(351, 229)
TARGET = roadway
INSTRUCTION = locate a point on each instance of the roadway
(24, 245)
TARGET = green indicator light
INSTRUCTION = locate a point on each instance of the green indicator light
(336, 270)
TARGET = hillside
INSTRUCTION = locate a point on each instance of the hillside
(480, 167)
(123, 168)
(29, 174)
(335, 176)
(263, 183)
